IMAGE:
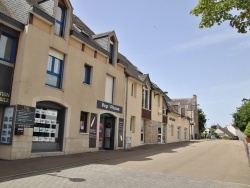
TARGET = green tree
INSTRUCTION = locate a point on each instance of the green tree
(242, 115)
(247, 130)
(202, 120)
(212, 12)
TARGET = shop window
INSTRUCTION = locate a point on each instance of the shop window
(83, 122)
(60, 20)
(54, 72)
(132, 124)
(6, 124)
(7, 47)
(46, 126)
(87, 74)
(109, 89)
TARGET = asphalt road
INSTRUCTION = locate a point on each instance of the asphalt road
(212, 163)
(223, 160)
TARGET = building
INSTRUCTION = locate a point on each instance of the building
(192, 111)
(65, 89)
(66, 76)
(235, 131)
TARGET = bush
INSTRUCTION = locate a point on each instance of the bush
(247, 130)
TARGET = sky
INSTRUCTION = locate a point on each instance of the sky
(163, 40)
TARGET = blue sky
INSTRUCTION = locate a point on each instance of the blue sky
(163, 40)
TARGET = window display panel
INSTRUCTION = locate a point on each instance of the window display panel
(46, 125)
(7, 125)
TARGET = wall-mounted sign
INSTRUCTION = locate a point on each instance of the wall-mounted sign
(120, 132)
(5, 83)
(25, 116)
(109, 107)
(93, 131)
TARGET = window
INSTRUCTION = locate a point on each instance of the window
(132, 124)
(83, 122)
(133, 90)
(54, 72)
(172, 130)
(159, 100)
(183, 111)
(145, 98)
(185, 133)
(7, 48)
(176, 108)
(178, 133)
(109, 89)
(111, 53)
(60, 20)
(87, 74)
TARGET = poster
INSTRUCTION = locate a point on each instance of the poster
(120, 132)
(7, 125)
(93, 131)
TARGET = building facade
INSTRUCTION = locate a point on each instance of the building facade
(65, 89)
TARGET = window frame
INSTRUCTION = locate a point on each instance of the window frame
(172, 130)
(178, 133)
(87, 74)
(111, 53)
(112, 90)
(132, 124)
(61, 22)
(59, 76)
(145, 98)
(13, 47)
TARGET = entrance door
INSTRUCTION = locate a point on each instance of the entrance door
(161, 133)
(142, 130)
(107, 132)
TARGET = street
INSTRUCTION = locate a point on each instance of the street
(209, 163)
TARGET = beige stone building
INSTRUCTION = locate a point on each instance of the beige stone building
(67, 78)
(65, 89)
(191, 105)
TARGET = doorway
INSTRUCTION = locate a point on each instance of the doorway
(107, 132)
(161, 133)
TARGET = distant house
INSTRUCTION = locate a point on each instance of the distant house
(236, 131)
(222, 131)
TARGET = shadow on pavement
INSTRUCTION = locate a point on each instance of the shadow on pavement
(35, 166)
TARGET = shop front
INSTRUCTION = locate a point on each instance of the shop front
(111, 127)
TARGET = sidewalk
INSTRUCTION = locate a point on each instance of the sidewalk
(10, 169)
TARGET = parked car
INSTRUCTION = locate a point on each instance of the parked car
(235, 138)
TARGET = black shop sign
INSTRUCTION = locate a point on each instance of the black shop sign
(109, 107)
(25, 116)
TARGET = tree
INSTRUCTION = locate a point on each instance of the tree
(237, 12)
(242, 115)
(247, 130)
(202, 120)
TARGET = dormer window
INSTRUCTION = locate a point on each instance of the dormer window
(60, 20)
(111, 53)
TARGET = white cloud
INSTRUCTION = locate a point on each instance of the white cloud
(205, 41)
